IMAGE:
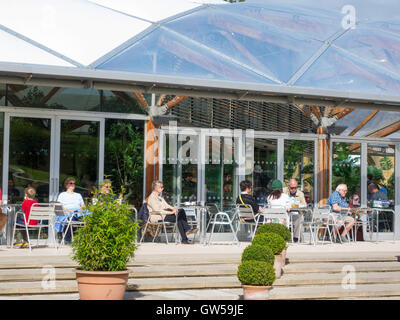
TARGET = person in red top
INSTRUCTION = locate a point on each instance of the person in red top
(30, 194)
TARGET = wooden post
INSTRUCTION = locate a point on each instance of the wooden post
(151, 163)
(324, 156)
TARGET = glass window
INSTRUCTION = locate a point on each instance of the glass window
(264, 169)
(1, 150)
(79, 154)
(381, 173)
(29, 160)
(124, 157)
(346, 169)
(118, 101)
(54, 98)
(299, 165)
(2, 94)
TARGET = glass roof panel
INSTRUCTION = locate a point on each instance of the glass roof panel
(250, 42)
(16, 50)
(165, 53)
(80, 30)
(154, 10)
(314, 24)
(336, 70)
(379, 48)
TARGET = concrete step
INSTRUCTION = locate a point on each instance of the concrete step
(303, 279)
(330, 267)
(151, 271)
(335, 291)
(142, 284)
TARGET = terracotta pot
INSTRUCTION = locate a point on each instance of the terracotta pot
(278, 265)
(256, 292)
(283, 253)
(102, 285)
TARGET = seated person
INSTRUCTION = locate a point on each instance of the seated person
(72, 203)
(105, 189)
(245, 198)
(338, 203)
(296, 196)
(280, 199)
(375, 194)
(157, 203)
(30, 194)
(294, 193)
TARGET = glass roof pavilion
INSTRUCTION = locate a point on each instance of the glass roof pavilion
(328, 50)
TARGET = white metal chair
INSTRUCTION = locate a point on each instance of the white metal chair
(68, 222)
(245, 215)
(161, 226)
(277, 215)
(43, 213)
(220, 219)
(320, 221)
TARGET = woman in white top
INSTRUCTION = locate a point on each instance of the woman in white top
(277, 198)
(70, 200)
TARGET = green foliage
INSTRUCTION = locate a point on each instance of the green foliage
(258, 253)
(293, 157)
(274, 241)
(125, 158)
(277, 228)
(107, 241)
(256, 273)
(386, 163)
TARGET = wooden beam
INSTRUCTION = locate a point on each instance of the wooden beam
(175, 101)
(337, 110)
(385, 131)
(344, 113)
(364, 122)
(142, 101)
(323, 168)
(301, 108)
(151, 163)
(161, 99)
(317, 112)
(50, 95)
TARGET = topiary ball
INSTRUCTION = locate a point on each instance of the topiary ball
(274, 241)
(258, 253)
(256, 273)
(278, 228)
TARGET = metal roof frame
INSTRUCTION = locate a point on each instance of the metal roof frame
(31, 74)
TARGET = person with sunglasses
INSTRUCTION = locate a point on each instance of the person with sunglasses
(72, 204)
(297, 198)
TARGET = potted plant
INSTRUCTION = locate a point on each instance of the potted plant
(257, 278)
(276, 243)
(103, 248)
(280, 229)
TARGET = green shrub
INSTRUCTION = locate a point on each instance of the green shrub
(256, 273)
(274, 241)
(258, 253)
(278, 228)
(107, 241)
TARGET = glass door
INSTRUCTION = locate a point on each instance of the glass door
(78, 151)
(30, 143)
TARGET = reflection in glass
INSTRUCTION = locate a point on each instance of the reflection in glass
(53, 98)
(120, 102)
(381, 173)
(79, 150)
(299, 165)
(123, 157)
(346, 168)
(29, 161)
(264, 169)
(1, 150)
